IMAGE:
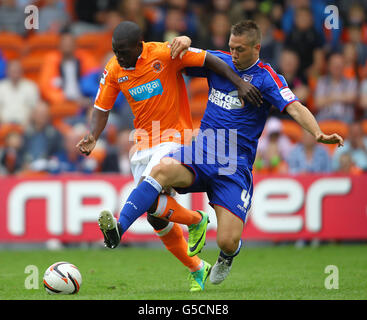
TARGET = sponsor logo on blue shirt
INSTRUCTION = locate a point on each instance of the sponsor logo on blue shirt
(146, 90)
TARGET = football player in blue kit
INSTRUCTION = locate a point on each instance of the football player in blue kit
(219, 162)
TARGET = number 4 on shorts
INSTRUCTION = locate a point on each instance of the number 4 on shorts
(245, 197)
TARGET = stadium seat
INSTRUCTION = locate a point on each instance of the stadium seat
(97, 43)
(334, 126)
(31, 66)
(42, 43)
(292, 130)
(12, 45)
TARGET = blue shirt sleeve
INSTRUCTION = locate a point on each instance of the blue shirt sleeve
(275, 90)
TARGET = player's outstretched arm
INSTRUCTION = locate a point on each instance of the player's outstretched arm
(245, 89)
(97, 124)
(305, 118)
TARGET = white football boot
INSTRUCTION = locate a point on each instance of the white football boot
(220, 270)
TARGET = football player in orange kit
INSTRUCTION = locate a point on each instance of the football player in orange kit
(149, 76)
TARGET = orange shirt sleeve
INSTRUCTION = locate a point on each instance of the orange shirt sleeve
(192, 58)
(108, 87)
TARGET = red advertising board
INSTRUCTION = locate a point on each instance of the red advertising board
(283, 208)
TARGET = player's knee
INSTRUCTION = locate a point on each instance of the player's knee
(228, 243)
(162, 172)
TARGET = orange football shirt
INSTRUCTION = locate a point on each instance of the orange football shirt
(155, 91)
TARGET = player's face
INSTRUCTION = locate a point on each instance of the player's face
(244, 53)
(126, 54)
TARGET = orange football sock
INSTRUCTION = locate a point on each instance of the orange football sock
(169, 209)
(174, 241)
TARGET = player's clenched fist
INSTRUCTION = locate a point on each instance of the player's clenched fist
(87, 144)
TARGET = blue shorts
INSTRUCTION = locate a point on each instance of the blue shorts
(231, 191)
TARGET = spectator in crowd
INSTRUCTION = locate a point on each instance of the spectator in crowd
(174, 24)
(356, 16)
(316, 8)
(304, 39)
(18, 95)
(132, 10)
(355, 33)
(205, 11)
(336, 96)
(217, 39)
(62, 72)
(270, 47)
(41, 139)
(69, 159)
(351, 67)
(11, 17)
(245, 9)
(273, 148)
(219, 6)
(117, 158)
(355, 145)
(347, 166)
(308, 156)
(11, 157)
(172, 19)
(52, 16)
(355, 38)
(363, 97)
(91, 15)
(276, 14)
(288, 67)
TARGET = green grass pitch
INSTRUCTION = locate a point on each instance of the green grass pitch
(276, 272)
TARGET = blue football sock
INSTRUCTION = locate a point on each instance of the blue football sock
(230, 257)
(139, 201)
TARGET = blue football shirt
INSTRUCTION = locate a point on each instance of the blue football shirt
(233, 124)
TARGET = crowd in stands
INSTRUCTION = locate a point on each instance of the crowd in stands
(49, 78)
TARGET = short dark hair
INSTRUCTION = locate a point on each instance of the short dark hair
(127, 31)
(248, 27)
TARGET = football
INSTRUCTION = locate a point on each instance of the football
(62, 278)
